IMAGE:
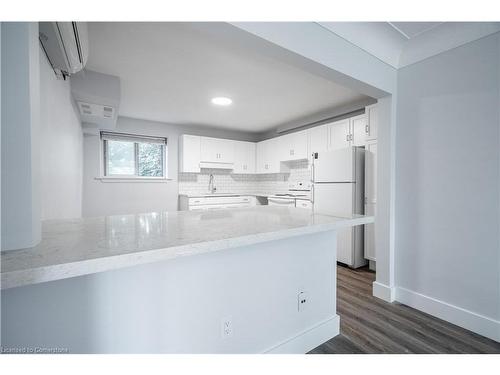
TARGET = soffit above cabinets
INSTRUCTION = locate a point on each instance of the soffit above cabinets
(400, 44)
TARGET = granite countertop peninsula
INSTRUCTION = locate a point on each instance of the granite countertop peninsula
(78, 247)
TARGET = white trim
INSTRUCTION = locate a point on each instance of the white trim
(472, 321)
(309, 339)
(383, 292)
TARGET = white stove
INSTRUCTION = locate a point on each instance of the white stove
(296, 191)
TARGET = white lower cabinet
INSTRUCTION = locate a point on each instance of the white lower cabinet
(207, 203)
(302, 203)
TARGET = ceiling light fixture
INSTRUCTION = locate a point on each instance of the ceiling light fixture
(221, 100)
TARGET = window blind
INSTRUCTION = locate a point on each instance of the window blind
(108, 136)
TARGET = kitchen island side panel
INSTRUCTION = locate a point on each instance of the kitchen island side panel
(180, 306)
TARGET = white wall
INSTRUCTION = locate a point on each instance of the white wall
(447, 185)
(109, 198)
(61, 147)
(20, 135)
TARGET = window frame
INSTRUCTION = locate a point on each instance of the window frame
(106, 136)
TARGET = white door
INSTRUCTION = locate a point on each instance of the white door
(339, 134)
(337, 200)
(372, 121)
(358, 130)
(335, 166)
(317, 140)
(370, 196)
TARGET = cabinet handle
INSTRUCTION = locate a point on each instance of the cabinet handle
(347, 138)
(367, 129)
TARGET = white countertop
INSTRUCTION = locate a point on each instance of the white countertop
(83, 246)
(220, 194)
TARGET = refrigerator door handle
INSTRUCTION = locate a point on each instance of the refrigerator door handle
(312, 193)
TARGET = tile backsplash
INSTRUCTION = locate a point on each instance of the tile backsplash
(225, 181)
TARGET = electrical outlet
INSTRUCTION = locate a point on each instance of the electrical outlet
(301, 301)
(226, 327)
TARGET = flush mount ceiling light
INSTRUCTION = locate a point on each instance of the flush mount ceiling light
(221, 100)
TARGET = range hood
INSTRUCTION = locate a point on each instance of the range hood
(213, 165)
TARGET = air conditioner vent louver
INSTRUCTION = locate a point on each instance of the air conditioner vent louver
(96, 110)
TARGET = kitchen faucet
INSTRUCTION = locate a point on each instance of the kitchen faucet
(211, 184)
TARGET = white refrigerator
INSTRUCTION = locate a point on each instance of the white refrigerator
(338, 190)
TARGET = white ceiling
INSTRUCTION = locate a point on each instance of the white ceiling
(400, 44)
(170, 71)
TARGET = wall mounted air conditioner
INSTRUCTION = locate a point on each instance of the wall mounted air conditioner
(66, 45)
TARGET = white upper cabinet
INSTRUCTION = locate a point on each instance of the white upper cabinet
(293, 146)
(268, 156)
(244, 157)
(317, 140)
(347, 132)
(358, 130)
(372, 121)
(189, 153)
(215, 150)
(340, 134)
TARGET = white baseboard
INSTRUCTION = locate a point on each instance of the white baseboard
(308, 339)
(383, 291)
(472, 321)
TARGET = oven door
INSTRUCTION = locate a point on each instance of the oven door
(287, 202)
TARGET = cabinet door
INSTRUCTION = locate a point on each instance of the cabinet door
(372, 122)
(209, 149)
(370, 196)
(217, 150)
(189, 153)
(339, 134)
(293, 146)
(273, 159)
(358, 130)
(244, 157)
(317, 140)
(261, 151)
(226, 150)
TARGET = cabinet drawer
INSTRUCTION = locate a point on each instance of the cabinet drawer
(220, 200)
(303, 204)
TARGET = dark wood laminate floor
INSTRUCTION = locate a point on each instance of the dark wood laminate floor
(370, 325)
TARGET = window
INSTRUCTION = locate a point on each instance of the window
(131, 156)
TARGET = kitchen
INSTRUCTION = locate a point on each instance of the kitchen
(187, 167)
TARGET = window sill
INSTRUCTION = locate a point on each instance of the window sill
(133, 179)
